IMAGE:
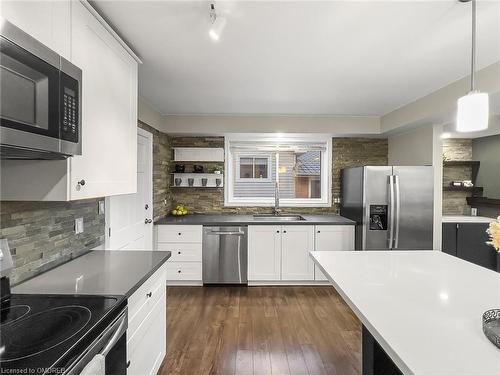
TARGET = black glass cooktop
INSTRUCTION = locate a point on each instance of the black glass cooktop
(42, 332)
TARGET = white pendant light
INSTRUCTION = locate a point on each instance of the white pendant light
(218, 24)
(473, 108)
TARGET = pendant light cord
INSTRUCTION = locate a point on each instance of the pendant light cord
(473, 52)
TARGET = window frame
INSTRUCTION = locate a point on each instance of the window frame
(253, 156)
(326, 173)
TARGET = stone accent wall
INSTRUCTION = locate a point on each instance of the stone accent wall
(454, 202)
(41, 234)
(347, 152)
(162, 158)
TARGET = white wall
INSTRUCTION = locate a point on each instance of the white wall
(422, 146)
(413, 147)
(224, 124)
(149, 115)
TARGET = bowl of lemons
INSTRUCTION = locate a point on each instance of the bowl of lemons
(180, 210)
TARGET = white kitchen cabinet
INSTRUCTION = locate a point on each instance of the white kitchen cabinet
(48, 21)
(264, 252)
(146, 333)
(108, 164)
(332, 238)
(296, 243)
(185, 242)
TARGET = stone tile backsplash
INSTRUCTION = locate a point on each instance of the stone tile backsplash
(41, 234)
(454, 202)
(347, 152)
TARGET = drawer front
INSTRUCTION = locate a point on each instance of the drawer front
(180, 233)
(182, 252)
(134, 321)
(184, 271)
(146, 348)
(141, 296)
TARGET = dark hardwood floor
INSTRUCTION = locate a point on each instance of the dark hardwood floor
(260, 330)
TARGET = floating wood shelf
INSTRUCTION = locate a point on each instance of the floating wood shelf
(476, 190)
(452, 163)
(483, 201)
(197, 180)
(199, 154)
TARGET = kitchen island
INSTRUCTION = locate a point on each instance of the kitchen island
(421, 310)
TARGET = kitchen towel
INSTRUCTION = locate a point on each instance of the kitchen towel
(96, 366)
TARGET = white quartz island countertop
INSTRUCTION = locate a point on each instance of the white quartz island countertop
(423, 307)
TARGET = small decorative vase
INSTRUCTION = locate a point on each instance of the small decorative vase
(204, 181)
(191, 181)
(218, 181)
(178, 181)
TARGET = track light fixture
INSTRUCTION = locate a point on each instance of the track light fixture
(218, 24)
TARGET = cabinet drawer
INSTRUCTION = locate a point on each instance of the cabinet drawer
(184, 271)
(180, 233)
(141, 296)
(146, 348)
(182, 252)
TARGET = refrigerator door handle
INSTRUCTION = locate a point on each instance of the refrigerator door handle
(398, 209)
(391, 212)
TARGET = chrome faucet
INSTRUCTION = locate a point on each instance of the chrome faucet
(277, 210)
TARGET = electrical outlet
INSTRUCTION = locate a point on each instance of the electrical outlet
(79, 225)
(473, 212)
(101, 207)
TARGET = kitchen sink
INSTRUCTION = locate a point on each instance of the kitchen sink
(271, 217)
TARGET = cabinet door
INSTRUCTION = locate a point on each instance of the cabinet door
(46, 21)
(297, 242)
(108, 163)
(471, 245)
(332, 238)
(264, 252)
(449, 240)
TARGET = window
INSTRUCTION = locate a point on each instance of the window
(253, 167)
(301, 169)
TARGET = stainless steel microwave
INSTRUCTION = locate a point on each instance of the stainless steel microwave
(40, 92)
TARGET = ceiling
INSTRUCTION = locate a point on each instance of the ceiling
(301, 57)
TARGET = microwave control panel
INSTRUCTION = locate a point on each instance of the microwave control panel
(70, 110)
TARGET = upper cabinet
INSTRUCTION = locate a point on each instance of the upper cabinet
(48, 21)
(108, 164)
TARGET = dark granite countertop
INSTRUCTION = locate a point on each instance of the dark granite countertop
(236, 219)
(101, 272)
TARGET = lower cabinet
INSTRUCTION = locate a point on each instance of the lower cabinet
(467, 241)
(185, 242)
(332, 238)
(296, 243)
(146, 333)
(280, 253)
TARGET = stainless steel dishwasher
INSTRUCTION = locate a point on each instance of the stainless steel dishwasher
(225, 254)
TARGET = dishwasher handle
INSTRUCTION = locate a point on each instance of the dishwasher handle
(218, 233)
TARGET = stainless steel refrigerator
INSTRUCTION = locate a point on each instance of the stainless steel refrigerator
(392, 206)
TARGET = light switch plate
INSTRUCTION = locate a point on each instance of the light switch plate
(79, 225)
(101, 207)
(473, 211)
